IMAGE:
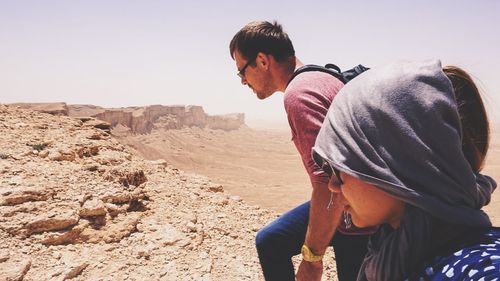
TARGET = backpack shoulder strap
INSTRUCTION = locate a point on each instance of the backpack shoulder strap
(329, 68)
(351, 73)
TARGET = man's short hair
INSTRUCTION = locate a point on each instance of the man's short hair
(262, 36)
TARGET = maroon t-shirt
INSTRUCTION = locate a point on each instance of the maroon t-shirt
(307, 99)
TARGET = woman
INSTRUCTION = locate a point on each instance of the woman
(393, 139)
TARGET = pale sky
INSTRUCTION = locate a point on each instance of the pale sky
(130, 53)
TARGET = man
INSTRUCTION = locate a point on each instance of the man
(265, 59)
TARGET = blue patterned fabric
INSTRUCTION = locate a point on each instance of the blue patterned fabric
(479, 260)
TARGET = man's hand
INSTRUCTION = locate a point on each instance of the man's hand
(309, 271)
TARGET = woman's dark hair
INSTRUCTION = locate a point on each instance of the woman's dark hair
(262, 36)
(473, 117)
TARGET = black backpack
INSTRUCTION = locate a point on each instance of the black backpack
(332, 69)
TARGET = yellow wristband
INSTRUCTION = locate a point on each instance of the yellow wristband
(309, 256)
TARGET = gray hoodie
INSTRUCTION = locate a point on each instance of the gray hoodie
(398, 128)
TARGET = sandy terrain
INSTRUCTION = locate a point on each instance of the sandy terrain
(261, 166)
(76, 204)
(492, 169)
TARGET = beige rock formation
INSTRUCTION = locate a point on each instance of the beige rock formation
(54, 108)
(91, 209)
(141, 120)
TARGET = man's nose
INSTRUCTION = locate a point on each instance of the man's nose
(244, 81)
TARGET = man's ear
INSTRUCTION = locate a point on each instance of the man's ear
(263, 60)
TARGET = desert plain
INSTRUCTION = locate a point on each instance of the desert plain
(261, 165)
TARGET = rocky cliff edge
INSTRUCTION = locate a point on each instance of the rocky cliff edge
(77, 204)
(143, 120)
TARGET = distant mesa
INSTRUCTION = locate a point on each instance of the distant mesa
(55, 108)
(142, 120)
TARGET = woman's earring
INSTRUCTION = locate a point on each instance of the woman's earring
(331, 201)
(347, 220)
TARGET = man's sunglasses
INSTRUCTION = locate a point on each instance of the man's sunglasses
(241, 73)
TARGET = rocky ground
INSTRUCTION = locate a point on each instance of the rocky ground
(77, 204)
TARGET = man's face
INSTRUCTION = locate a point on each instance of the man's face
(253, 76)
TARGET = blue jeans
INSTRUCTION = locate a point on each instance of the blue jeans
(283, 238)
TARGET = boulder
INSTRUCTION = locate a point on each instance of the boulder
(92, 208)
(16, 196)
(52, 221)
